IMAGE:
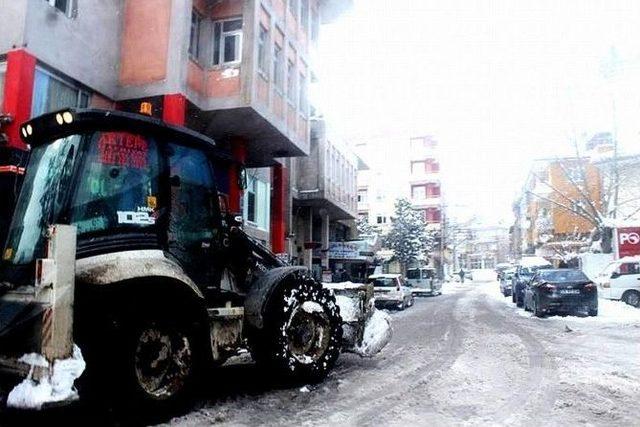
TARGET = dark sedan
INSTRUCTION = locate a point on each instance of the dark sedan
(560, 291)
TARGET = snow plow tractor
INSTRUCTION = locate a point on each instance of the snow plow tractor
(121, 255)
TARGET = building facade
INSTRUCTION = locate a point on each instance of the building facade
(323, 201)
(406, 167)
(553, 211)
(237, 71)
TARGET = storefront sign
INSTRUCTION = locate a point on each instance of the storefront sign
(628, 241)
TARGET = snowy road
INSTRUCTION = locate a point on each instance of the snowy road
(467, 357)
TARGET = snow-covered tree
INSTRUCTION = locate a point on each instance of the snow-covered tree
(408, 237)
(364, 228)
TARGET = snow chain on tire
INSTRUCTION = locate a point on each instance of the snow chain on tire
(300, 307)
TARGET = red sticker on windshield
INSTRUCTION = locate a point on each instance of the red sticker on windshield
(123, 149)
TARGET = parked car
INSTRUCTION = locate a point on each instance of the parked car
(525, 270)
(423, 281)
(501, 268)
(390, 291)
(620, 280)
(563, 290)
(506, 282)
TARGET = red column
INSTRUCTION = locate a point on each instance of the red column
(18, 93)
(239, 153)
(278, 199)
(174, 109)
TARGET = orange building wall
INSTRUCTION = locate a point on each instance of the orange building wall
(145, 40)
(563, 220)
(220, 85)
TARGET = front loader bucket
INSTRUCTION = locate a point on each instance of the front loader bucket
(366, 331)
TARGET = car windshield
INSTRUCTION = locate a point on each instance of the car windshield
(563, 276)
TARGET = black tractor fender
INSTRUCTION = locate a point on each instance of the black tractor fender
(260, 293)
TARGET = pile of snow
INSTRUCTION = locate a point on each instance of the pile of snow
(312, 307)
(484, 275)
(56, 387)
(377, 334)
(349, 308)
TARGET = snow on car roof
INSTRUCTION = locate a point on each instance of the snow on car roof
(533, 261)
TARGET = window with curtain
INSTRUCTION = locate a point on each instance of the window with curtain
(227, 41)
(51, 93)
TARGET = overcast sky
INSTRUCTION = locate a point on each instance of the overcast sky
(497, 83)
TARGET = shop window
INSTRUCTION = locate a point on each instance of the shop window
(51, 93)
(227, 41)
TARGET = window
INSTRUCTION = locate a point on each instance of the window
(194, 36)
(278, 69)
(315, 25)
(68, 7)
(418, 167)
(433, 191)
(263, 43)
(362, 196)
(193, 207)
(257, 203)
(227, 41)
(418, 191)
(118, 187)
(302, 97)
(381, 219)
(51, 93)
(304, 14)
(293, 8)
(291, 82)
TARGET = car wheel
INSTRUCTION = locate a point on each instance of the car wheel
(519, 302)
(401, 305)
(302, 335)
(632, 298)
(536, 308)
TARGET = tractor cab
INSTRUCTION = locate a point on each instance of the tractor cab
(127, 182)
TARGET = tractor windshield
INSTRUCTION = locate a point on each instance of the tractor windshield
(46, 183)
(101, 182)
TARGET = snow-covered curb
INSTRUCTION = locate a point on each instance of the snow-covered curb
(56, 387)
(611, 312)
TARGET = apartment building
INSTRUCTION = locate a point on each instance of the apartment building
(548, 212)
(402, 167)
(323, 200)
(237, 71)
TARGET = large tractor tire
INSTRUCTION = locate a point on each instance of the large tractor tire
(302, 333)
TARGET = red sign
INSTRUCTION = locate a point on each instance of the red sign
(628, 239)
(123, 149)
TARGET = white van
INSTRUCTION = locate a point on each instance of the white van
(423, 281)
(620, 280)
